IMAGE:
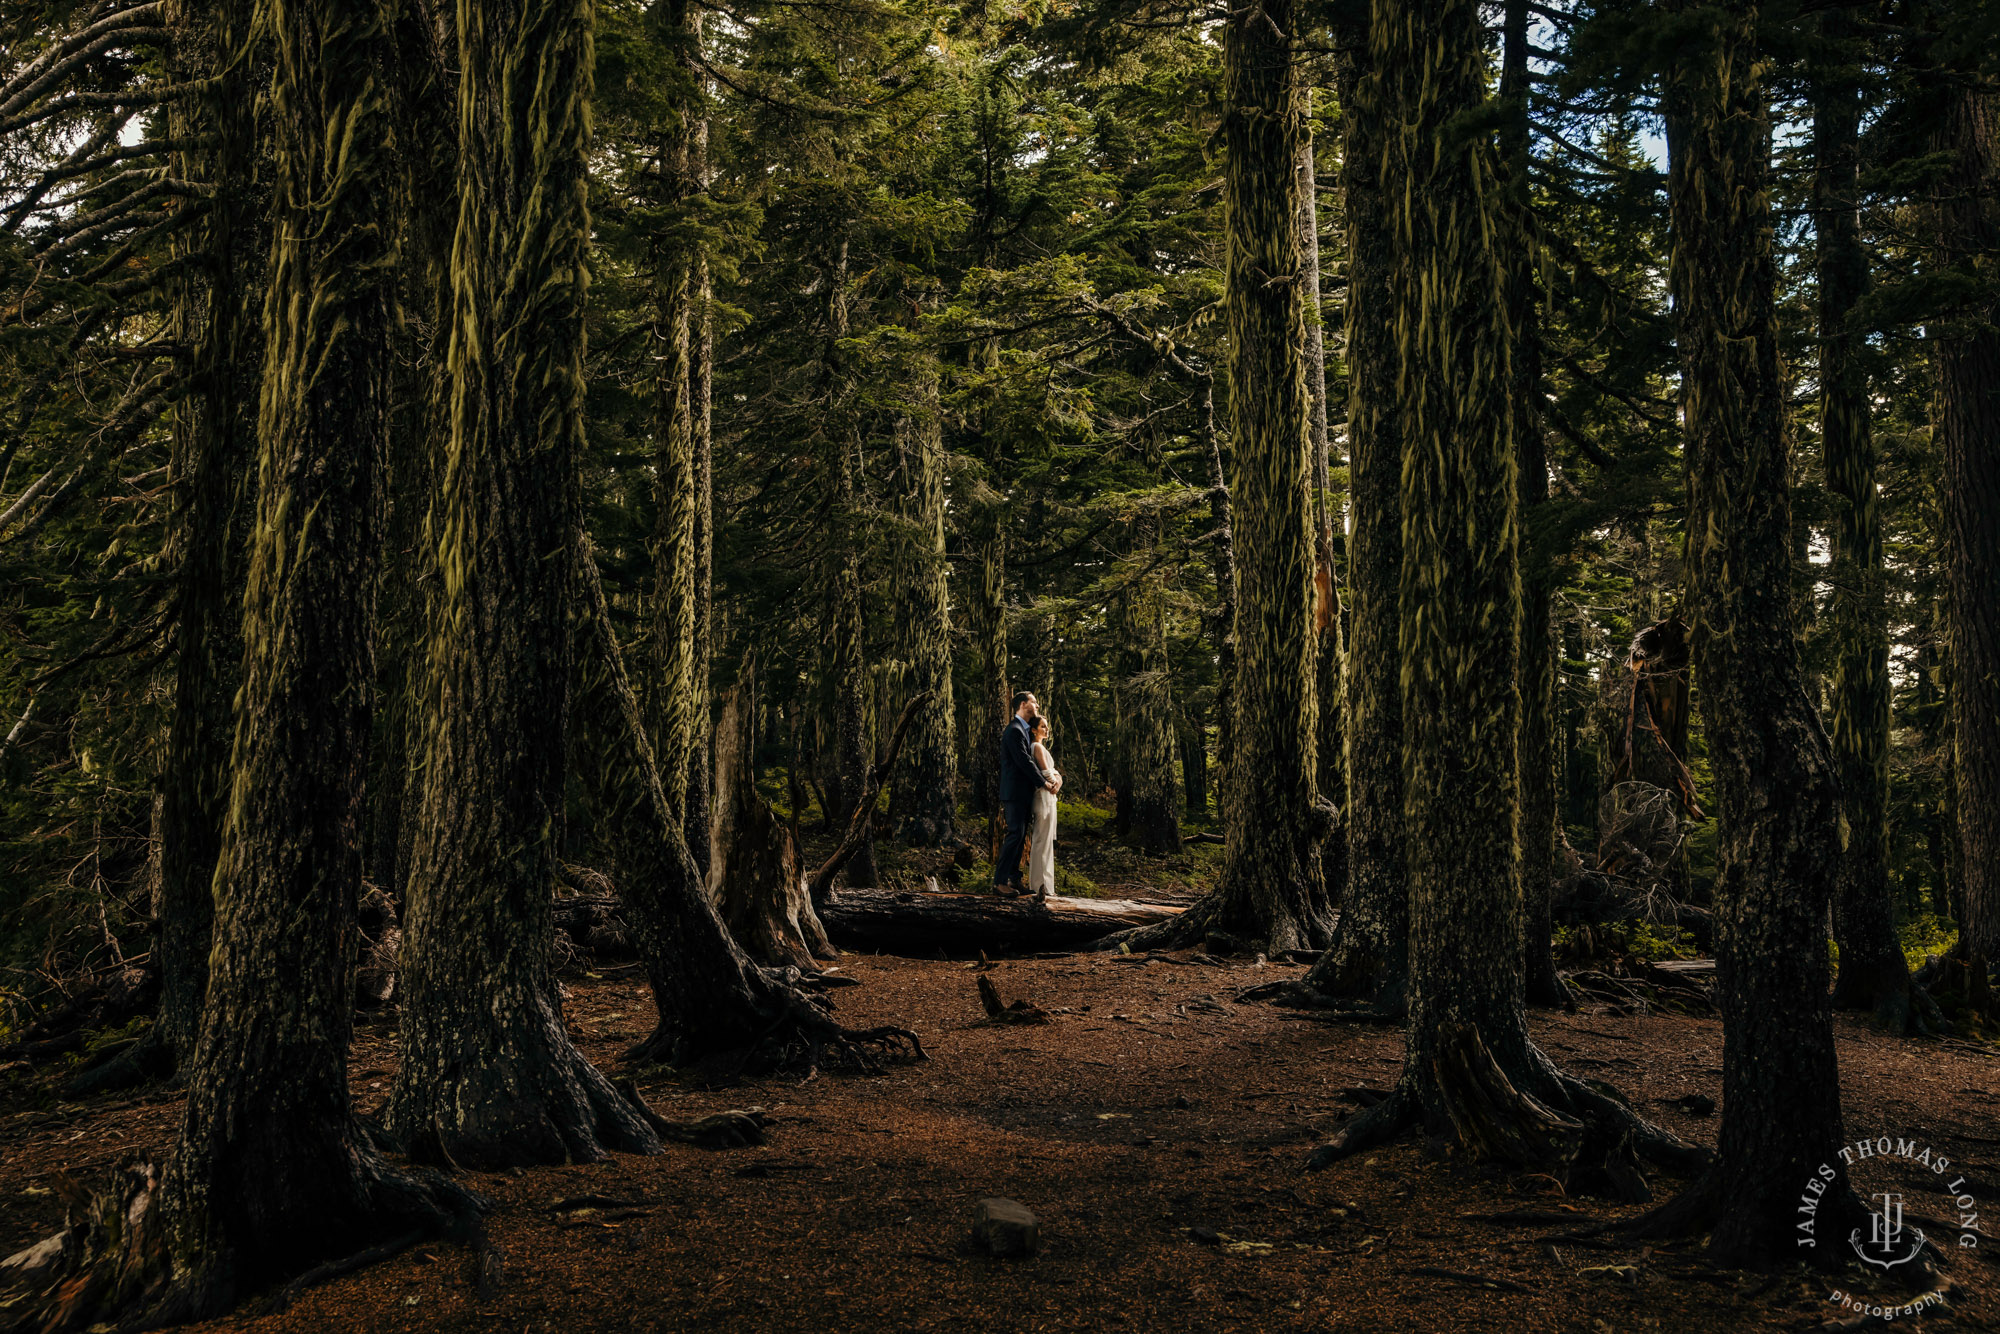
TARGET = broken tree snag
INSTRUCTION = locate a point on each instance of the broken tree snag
(753, 868)
(920, 925)
(1022, 1011)
(856, 836)
(711, 998)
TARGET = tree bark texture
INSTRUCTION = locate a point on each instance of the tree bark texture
(1369, 959)
(214, 437)
(1873, 972)
(1460, 590)
(672, 695)
(1968, 427)
(847, 663)
(1331, 758)
(489, 1076)
(271, 1171)
(1146, 713)
(1538, 675)
(923, 800)
(1776, 796)
(1271, 887)
(1222, 567)
(1470, 1074)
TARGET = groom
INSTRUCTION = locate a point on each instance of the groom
(1020, 779)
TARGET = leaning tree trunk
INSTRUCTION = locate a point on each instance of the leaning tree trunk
(1968, 372)
(923, 792)
(1368, 962)
(271, 1171)
(753, 875)
(1271, 887)
(710, 997)
(1775, 793)
(214, 431)
(1470, 1074)
(1873, 972)
(476, 967)
(1524, 311)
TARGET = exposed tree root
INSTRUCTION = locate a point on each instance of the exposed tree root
(547, 1105)
(1276, 908)
(1547, 1122)
(1299, 994)
(1898, 1005)
(724, 1130)
(797, 1035)
(131, 1258)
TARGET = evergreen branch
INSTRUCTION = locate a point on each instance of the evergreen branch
(122, 101)
(32, 197)
(39, 73)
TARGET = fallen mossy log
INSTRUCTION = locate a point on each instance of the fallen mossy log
(921, 925)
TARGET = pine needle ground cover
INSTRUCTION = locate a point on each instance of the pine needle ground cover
(1155, 1126)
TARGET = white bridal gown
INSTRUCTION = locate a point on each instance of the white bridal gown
(1042, 834)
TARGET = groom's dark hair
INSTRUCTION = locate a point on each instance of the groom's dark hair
(1022, 698)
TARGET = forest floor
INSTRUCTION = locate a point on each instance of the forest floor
(1155, 1125)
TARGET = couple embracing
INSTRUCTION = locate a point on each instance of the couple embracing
(1028, 786)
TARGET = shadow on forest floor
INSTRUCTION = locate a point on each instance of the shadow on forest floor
(1155, 1126)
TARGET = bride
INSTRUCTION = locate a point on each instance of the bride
(1042, 833)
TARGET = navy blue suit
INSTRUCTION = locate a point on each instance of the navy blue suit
(1020, 779)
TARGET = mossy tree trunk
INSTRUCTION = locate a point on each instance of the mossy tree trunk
(214, 435)
(271, 1171)
(1369, 960)
(755, 879)
(1538, 677)
(1152, 804)
(1968, 427)
(923, 790)
(1271, 887)
(679, 675)
(1873, 972)
(489, 1076)
(849, 688)
(1775, 793)
(1470, 1074)
(1459, 595)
